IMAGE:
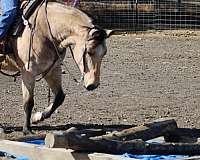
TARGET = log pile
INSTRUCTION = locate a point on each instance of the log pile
(132, 140)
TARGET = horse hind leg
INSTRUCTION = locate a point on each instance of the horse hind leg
(53, 79)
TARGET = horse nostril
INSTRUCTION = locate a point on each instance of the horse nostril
(91, 87)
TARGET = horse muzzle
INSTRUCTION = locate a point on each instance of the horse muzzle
(91, 80)
(92, 86)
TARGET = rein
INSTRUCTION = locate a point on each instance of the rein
(32, 31)
(51, 37)
(15, 75)
(57, 51)
(31, 40)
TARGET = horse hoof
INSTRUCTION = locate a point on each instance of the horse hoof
(27, 132)
(36, 117)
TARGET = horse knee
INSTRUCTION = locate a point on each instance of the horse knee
(28, 106)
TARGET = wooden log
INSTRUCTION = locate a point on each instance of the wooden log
(72, 140)
(57, 139)
(172, 149)
(145, 132)
(184, 135)
(84, 132)
(83, 144)
(148, 131)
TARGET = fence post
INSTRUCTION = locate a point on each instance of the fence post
(136, 15)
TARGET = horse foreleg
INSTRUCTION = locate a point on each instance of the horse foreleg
(54, 81)
(28, 84)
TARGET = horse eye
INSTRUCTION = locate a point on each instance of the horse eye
(90, 53)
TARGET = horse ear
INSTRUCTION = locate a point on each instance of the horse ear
(109, 33)
(95, 34)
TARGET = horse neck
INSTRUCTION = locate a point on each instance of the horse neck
(66, 23)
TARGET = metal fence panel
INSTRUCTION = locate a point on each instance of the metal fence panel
(141, 15)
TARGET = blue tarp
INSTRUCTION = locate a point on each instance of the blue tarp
(8, 155)
(38, 141)
(154, 157)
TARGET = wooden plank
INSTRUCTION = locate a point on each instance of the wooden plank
(37, 152)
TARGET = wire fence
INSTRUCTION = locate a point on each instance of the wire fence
(140, 15)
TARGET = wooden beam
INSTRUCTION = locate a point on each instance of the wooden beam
(37, 152)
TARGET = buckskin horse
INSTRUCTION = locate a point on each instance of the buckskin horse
(56, 27)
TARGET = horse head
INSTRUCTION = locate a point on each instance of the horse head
(89, 55)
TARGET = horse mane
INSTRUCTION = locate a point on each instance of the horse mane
(79, 16)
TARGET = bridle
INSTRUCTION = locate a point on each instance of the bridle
(82, 57)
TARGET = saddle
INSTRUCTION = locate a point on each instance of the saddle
(27, 8)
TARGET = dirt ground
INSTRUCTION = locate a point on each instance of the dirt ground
(143, 77)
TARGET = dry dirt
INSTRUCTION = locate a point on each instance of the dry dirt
(143, 77)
